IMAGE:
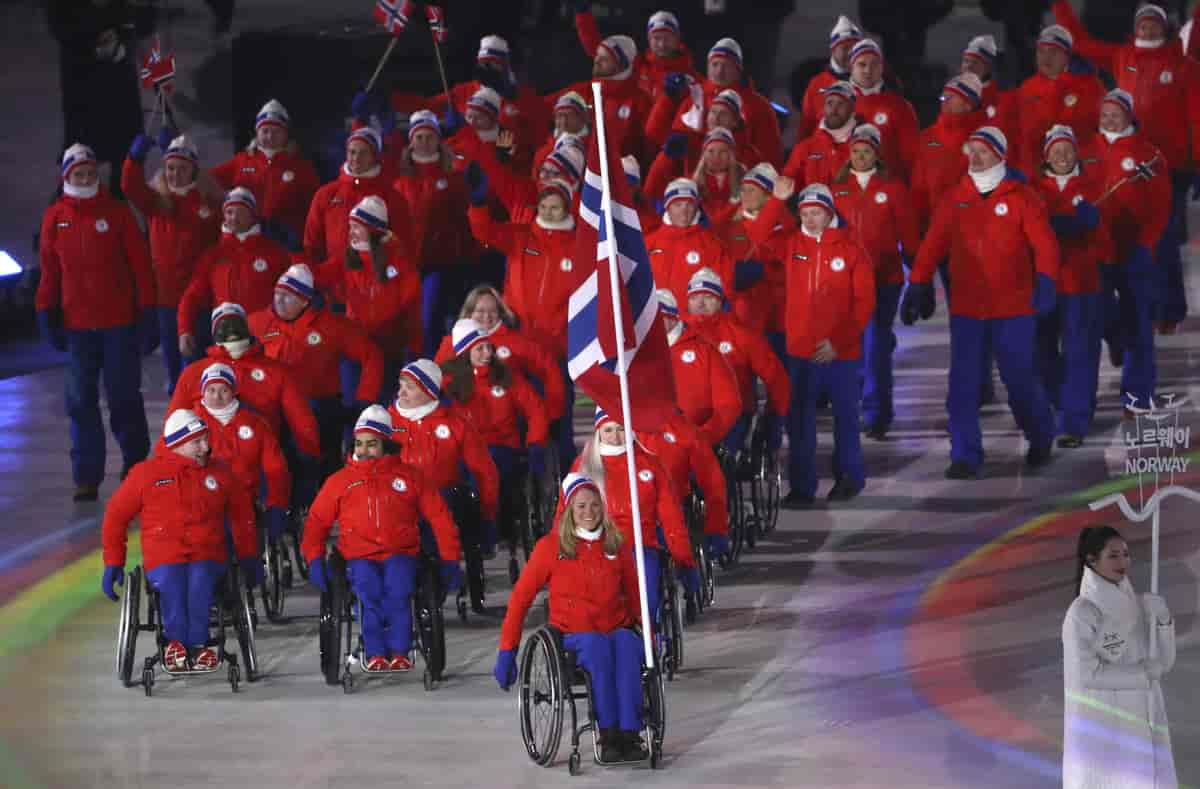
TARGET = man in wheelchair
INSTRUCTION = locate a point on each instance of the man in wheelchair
(594, 602)
(377, 501)
(184, 501)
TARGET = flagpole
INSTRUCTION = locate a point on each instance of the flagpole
(626, 418)
(387, 53)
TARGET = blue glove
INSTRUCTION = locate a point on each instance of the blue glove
(674, 85)
(1044, 296)
(140, 148)
(1088, 215)
(477, 184)
(505, 671)
(452, 576)
(690, 578)
(165, 135)
(919, 302)
(1066, 226)
(717, 546)
(676, 146)
(361, 106)
(276, 523)
(452, 122)
(113, 575)
(583, 6)
(746, 273)
(252, 571)
(51, 328)
(280, 233)
(387, 120)
(147, 331)
(316, 574)
(537, 460)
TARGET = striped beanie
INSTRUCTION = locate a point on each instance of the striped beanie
(867, 46)
(1056, 36)
(76, 155)
(662, 20)
(272, 113)
(298, 279)
(369, 135)
(621, 49)
(371, 212)
(423, 119)
(1058, 133)
(842, 89)
(466, 334)
(374, 419)
(493, 49)
(727, 48)
(224, 311)
(719, 135)
(731, 99)
(1122, 99)
(983, 49)
(992, 138)
(218, 372)
(240, 196)
(681, 189)
(571, 101)
(844, 30)
(182, 426)
(817, 195)
(706, 281)
(763, 176)
(485, 100)
(1150, 9)
(182, 147)
(425, 374)
(602, 418)
(573, 483)
(569, 161)
(968, 86)
(868, 133)
(556, 186)
(667, 304)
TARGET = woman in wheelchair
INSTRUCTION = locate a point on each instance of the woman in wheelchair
(184, 500)
(377, 501)
(590, 570)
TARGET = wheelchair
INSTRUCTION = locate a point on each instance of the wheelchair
(670, 619)
(694, 510)
(736, 502)
(341, 646)
(761, 468)
(463, 503)
(231, 605)
(549, 683)
(531, 509)
(277, 570)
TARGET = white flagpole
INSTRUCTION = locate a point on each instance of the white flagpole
(615, 284)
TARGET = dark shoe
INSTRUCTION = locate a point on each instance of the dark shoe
(477, 605)
(1070, 442)
(86, 492)
(611, 749)
(796, 501)
(960, 470)
(875, 432)
(632, 747)
(823, 401)
(842, 491)
(1038, 456)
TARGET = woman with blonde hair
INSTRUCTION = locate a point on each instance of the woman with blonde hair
(590, 572)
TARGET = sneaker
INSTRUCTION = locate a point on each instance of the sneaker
(795, 500)
(632, 747)
(842, 491)
(1039, 456)
(175, 657)
(400, 663)
(875, 432)
(206, 660)
(378, 663)
(86, 493)
(960, 470)
(611, 746)
(1070, 442)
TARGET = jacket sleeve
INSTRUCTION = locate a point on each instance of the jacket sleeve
(133, 184)
(225, 172)
(662, 172)
(1041, 236)
(796, 161)
(300, 419)
(49, 292)
(764, 129)
(433, 509)
(1102, 53)
(534, 576)
(314, 229)
(242, 520)
(589, 34)
(537, 426)
(321, 515)
(1085, 659)
(906, 220)
(357, 346)
(773, 213)
(670, 518)
(543, 364)
(766, 365)
(445, 351)
(123, 506)
(920, 207)
(479, 462)
(137, 255)
(726, 399)
(661, 118)
(187, 388)
(501, 236)
(711, 480)
(275, 469)
(1159, 210)
(936, 245)
(908, 132)
(864, 290)
(197, 294)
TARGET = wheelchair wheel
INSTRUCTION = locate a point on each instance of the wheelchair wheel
(128, 626)
(654, 710)
(243, 625)
(431, 626)
(272, 588)
(708, 581)
(335, 616)
(737, 514)
(541, 702)
(672, 623)
(294, 531)
(548, 492)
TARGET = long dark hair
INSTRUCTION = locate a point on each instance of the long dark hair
(1091, 543)
(462, 376)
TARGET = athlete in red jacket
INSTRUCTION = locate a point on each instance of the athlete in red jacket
(184, 502)
(682, 245)
(95, 300)
(842, 38)
(1004, 261)
(831, 298)
(940, 162)
(589, 569)
(626, 105)
(981, 59)
(725, 111)
(666, 55)
(183, 221)
(684, 455)
(378, 502)
(891, 113)
(817, 158)
(241, 268)
(760, 306)
(717, 175)
(281, 178)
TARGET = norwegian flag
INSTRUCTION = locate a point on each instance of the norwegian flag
(394, 15)
(591, 325)
(158, 69)
(437, 22)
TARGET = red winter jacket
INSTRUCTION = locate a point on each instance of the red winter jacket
(996, 244)
(541, 274)
(1137, 212)
(830, 286)
(311, 347)
(816, 159)
(283, 185)
(626, 110)
(249, 447)
(1164, 83)
(657, 503)
(812, 108)
(590, 593)
(677, 253)
(665, 119)
(439, 444)
(1080, 258)
(881, 220)
(494, 411)
(183, 508)
(898, 128)
(748, 355)
(996, 107)
(684, 454)
(759, 307)
(388, 311)
(941, 162)
(378, 505)
(718, 194)
(526, 358)
(95, 266)
(264, 385)
(706, 387)
(761, 123)
(181, 228)
(649, 70)
(1072, 100)
(327, 229)
(437, 201)
(239, 269)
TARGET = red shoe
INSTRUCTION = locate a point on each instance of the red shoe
(175, 657)
(206, 660)
(378, 663)
(401, 663)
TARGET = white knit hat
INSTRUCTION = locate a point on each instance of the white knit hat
(569, 162)
(218, 372)
(493, 49)
(240, 195)
(273, 112)
(374, 419)
(426, 374)
(633, 170)
(763, 176)
(369, 135)
(623, 50)
(225, 310)
(706, 281)
(983, 48)
(681, 189)
(299, 280)
(371, 212)
(817, 195)
(662, 20)
(182, 426)
(727, 48)
(844, 30)
(485, 100)
(423, 119)
(182, 147)
(466, 334)
(1057, 36)
(76, 155)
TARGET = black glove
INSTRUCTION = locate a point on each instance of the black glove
(676, 146)
(919, 302)
(746, 273)
(477, 183)
(674, 85)
(1066, 226)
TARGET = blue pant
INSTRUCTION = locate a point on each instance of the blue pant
(185, 595)
(839, 379)
(1173, 305)
(1069, 359)
(168, 338)
(1013, 343)
(878, 344)
(442, 290)
(115, 353)
(384, 590)
(1129, 327)
(614, 662)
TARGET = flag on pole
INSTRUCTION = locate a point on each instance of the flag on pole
(394, 15)
(591, 324)
(158, 69)
(437, 22)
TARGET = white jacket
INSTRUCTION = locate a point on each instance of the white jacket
(1115, 723)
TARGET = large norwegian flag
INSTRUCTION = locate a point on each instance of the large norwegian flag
(394, 15)
(591, 328)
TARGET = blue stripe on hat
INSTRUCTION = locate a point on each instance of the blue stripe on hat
(706, 285)
(565, 164)
(680, 192)
(424, 381)
(574, 483)
(302, 289)
(77, 160)
(989, 138)
(224, 375)
(617, 53)
(192, 428)
(760, 180)
(368, 219)
(601, 415)
(725, 52)
(662, 22)
(825, 200)
(488, 52)
(965, 90)
(371, 424)
(468, 340)
(272, 117)
(668, 309)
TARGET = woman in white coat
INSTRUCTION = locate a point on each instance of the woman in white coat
(1115, 722)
